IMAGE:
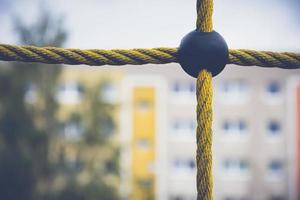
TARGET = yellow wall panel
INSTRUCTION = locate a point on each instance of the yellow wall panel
(143, 143)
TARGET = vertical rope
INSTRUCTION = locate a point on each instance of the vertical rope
(204, 136)
(204, 15)
(204, 112)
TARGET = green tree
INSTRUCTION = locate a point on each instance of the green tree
(27, 130)
(24, 164)
(97, 156)
(99, 123)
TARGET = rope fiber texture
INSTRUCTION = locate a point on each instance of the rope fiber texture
(204, 112)
(204, 15)
(94, 57)
(204, 136)
(98, 57)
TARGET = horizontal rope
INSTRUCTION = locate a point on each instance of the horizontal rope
(96, 57)
(244, 57)
(93, 57)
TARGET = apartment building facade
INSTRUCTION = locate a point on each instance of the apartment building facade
(252, 158)
(255, 130)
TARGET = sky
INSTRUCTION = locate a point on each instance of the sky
(255, 24)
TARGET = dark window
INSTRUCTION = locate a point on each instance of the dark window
(184, 164)
(144, 105)
(192, 87)
(145, 183)
(274, 127)
(184, 87)
(275, 166)
(176, 87)
(80, 88)
(236, 126)
(192, 164)
(278, 198)
(242, 125)
(184, 125)
(182, 198)
(226, 125)
(273, 88)
(236, 165)
(235, 86)
(143, 144)
(236, 198)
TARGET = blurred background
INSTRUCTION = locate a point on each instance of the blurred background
(79, 132)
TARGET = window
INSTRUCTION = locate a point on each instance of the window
(184, 126)
(143, 144)
(273, 197)
(275, 169)
(234, 91)
(181, 87)
(183, 92)
(184, 165)
(274, 127)
(69, 93)
(192, 86)
(183, 197)
(143, 105)
(108, 93)
(145, 183)
(177, 87)
(236, 198)
(273, 88)
(273, 92)
(234, 128)
(73, 131)
(235, 167)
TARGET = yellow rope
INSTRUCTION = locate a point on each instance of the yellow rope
(98, 57)
(285, 60)
(204, 136)
(204, 15)
(204, 112)
(53, 55)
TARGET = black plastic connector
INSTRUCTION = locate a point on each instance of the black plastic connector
(203, 50)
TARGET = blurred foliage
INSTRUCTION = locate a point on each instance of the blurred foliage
(99, 123)
(29, 133)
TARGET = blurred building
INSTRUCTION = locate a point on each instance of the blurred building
(252, 135)
(251, 123)
(256, 130)
(293, 119)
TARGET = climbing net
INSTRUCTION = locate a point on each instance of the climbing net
(96, 57)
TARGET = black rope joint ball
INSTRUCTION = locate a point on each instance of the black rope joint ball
(203, 50)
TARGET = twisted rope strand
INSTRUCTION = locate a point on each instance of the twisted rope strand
(94, 57)
(204, 112)
(204, 136)
(204, 15)
(285, 60)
